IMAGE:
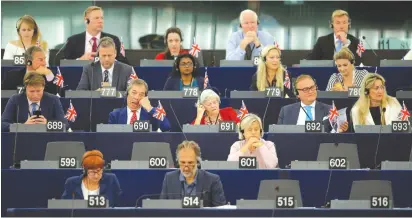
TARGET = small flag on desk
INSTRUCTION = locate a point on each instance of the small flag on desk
(286, 83)
(122, 50)
(58, 79)
(333, 115)
(133, 76)
(361, 48)
(159, 113)
(71, 114)
(195, 49)
(242, 111)
(206, 82)
(404, 113)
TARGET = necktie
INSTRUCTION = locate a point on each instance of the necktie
(94, 45)
(338, 45)
(106, 76)
(308, 110)
(133, 118)
(33, 108)
(248, 55)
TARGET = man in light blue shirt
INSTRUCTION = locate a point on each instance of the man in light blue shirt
(248, 42)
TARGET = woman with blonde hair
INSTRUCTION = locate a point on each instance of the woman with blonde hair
(374, 106)
(348, 75)
(252, 144)
(271, 73)
(29, 35)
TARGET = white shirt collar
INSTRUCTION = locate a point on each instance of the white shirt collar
(110, 69)
(130, 111)
(110, 73)
(30, 102)
(89, 36)
(313, 104)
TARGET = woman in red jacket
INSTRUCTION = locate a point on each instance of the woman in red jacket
(173, 40)
(208, 111)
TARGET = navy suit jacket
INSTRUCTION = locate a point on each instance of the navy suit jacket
(209, 188)
(173, 83)
(50, 107)
(119, 116)
(109, 188)
(289, 113)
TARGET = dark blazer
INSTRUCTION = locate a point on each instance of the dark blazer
(289, 113)
(208, 187)
(14, 78)
(325, 48)
(119, 116)
(76, 44)
(121, 74)
(289, 92)
(173, 83)
(109, 187)
(50, 107)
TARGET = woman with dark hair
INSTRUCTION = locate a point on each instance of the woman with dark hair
(184, 74)
(173, 42)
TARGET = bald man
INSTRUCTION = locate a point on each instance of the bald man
(247, 42)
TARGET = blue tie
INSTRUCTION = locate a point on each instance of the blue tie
(338, 46)
(308, 110)
(33, 108)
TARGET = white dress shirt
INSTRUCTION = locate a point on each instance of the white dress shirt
(110, 73)
(89, 42)
(87, 192)
(302, 115)
(130, 114)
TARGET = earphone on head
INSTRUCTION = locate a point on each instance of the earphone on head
(19, 21)
(87, 21)
(180, 57)
(198, 164)
(87, 156)
(295, 88)
(263, 57)
(249, 116)
(258, 22)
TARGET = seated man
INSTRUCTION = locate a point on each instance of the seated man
(21, 107)
(191, 181)
(327, 46)
(107, 72)
(308, 109)
(248, 42)
(35, 60)
(138, 108)
(83, 46)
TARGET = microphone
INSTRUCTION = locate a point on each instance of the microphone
(72, 212)
(264, 114)
(58, 52)
(214, 61)
(377, 57)
(327, 204)
(174, 114)
(15, 138)
(307, 115)
(379, 138)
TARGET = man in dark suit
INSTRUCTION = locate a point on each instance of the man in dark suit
(326, 46)
(191, 181)
(83, 46)
(107, 72)
(21, 107)
(35, 61)
(139, 108)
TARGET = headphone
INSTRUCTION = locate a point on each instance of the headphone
(263, 57)
(28, 57)
(376, 77)
(130, 87)
(240, 127)
(18, 23)
(349, 23)
(198, 160)
(296, 89)
(258, 22)
(173, 30)
(87, 21)
(91, 155)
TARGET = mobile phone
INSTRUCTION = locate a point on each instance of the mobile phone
(37, 114)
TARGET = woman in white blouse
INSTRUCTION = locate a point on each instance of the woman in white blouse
(348, 75)
(29, 35)
(252, 144)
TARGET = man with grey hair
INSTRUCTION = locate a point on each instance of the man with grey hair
(107, 72)
(249, 41)
(191, 181)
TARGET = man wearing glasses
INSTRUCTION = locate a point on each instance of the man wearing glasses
(139, 108)
(191, 181)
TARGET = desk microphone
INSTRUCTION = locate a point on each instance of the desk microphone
(91, 97)
(58, 52)
(373, 50)
(72, 212)
(379, 138)
(178, 123)
(15, 164)
(325, 203)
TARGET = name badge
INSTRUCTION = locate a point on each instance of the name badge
(285, 201)
(96, 201)
(190, 202)
(18, 60)
(67, 162)
(54, 126)
(353, 92)
(338, 163)
(141, 126)
(313, 126)
(108, 92)
(273, 92)
(157, 162)
(227, 126)
(380, 202)
(190, 92)
(247, 163)
(400, 126)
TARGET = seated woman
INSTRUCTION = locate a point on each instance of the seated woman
(374, 106)
(173, 41)
(93, 181)
(29, 35)
(252, 144)
(348, 75)
(208, 112)
(271, 73)
(184, 74)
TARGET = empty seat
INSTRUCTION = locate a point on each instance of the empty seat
(365, 189)
(143, 150)
(269, 189)
(54, 150)
(348, 150)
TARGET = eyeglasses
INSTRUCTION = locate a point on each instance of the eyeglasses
(186, 64)
(307, 89)
(97, 172)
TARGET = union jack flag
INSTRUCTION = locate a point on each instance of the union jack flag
(404, 113)
(58, 79)
(242, 111)
(206, 82)
(160, 113)
(360, 49)
(277, 45)
(122, 51)
(71, 114)
(132, 76)
(286, 83)
(333, 115)
(195, 49)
